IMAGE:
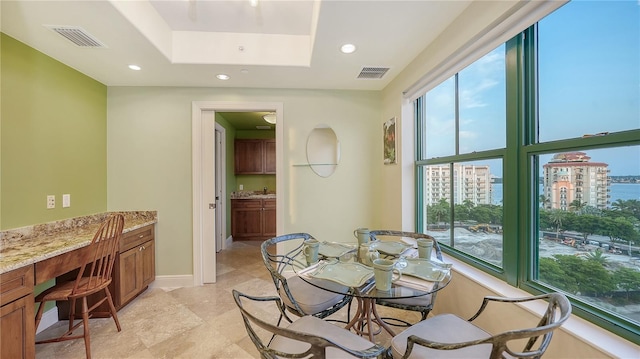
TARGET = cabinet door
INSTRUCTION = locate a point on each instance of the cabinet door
(249, 157)
(269, 218)
(129, 275)
(270, 156)
(246, 218)
(148, 264)
(17, 332)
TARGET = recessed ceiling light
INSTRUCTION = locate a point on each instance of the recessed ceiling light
(244, 71)
(135, 67)
(348, 48)
(222, 77)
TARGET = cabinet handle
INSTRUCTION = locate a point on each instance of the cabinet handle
(140, 236)
(141, 248)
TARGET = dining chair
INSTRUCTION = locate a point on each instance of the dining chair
(298, 296)
(450, 336)
(422, 304)
(94, 276)
(306, 337)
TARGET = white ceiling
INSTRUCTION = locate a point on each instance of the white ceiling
(277, 44)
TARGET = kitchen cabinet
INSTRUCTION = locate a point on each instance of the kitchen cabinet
(17, 332)
(255, 156)
(253, 218)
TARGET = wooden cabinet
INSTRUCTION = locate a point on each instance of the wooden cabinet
(133, 271)
(17, 332)
(253, 218)
(255, 156)
(135, 267)
(270, 156)
(269, 217)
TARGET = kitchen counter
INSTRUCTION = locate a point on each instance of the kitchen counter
(23, 246)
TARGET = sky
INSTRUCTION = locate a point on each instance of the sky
(589, 83)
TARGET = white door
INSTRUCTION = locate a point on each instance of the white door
(220, 187)
(209, 212)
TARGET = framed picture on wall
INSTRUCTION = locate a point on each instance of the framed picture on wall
(389, 141)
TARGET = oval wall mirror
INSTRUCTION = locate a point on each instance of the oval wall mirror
(323, 150)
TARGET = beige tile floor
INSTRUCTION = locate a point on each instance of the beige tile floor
(190, 322)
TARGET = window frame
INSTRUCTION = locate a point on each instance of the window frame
(520, 186)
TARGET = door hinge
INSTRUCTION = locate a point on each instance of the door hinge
(212, 206)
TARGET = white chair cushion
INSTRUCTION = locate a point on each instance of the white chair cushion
(444, 328)
(321, 328)
(310, 298)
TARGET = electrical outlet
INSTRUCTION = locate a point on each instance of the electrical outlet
(66, 200)
(51, 201)
(241, 187)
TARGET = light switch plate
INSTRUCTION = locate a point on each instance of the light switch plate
(66, 200)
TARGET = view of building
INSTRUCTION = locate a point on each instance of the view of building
(470, 182)
(570, 176)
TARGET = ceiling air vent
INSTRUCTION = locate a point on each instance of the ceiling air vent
(372, 72)
(77, 35)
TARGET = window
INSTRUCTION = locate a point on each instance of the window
(554, 178)
(464, 140)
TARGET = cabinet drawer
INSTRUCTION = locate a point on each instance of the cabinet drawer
(136, 237)
(246, 203)
(269, 203)
(15, 284)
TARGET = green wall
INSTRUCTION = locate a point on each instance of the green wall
(53, 138)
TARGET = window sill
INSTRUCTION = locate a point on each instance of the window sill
(582, 330)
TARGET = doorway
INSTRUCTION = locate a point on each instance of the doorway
(203, 175)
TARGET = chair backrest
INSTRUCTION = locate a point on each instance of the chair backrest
(537, 338)
(279, 263)
(95, 272)
(557, 312)
(317, 345)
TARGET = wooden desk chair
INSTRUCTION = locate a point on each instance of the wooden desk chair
(306, 337)
(449, 336)
(94, 276)
(299, 297)
(422, 304)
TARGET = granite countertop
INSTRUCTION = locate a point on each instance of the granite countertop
(23, 246)
(252, 195)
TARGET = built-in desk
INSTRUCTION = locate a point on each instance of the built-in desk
(35, 254)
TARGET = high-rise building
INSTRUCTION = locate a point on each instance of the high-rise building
(470, 182)
(570, 176)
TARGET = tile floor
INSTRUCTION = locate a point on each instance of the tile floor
(191, 322)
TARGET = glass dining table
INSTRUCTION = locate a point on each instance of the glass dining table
(335, 273)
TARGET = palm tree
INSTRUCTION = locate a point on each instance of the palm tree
(556, 216)
(544, 201)
(577, 205)
(598, 256)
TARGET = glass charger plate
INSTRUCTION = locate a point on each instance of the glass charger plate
(425, 269)
(348, 274)
(391, 248)
(334, 250)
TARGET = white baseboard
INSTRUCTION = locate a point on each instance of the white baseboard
(49, 318)
(172, 281)
(228, 242)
